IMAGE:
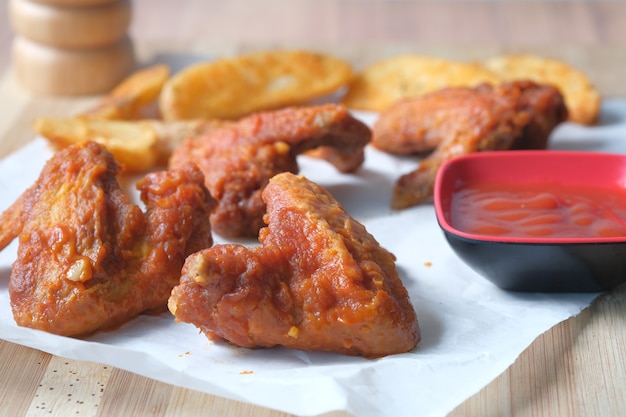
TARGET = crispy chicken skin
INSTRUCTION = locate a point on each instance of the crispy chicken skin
(456, 121)
(319, 281)
(88, 258)
(239, 158)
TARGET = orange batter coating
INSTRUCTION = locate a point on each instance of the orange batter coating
(456, 121)
(319, 281)
(239, 158)
(88, 258)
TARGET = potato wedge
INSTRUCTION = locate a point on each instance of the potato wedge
(134, 144)
(230, 88)
(138, 145)
(129, 99)
(387, 81)
(581, 97)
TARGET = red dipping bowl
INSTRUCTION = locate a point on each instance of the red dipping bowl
(537, 221)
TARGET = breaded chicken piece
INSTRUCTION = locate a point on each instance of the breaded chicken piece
(239, 158)
(456, 121)
(319, 281)
(88, 258)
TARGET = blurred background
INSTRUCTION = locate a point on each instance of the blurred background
(386, 20)
(370, 21)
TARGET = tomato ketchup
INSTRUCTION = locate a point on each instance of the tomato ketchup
(539, 210)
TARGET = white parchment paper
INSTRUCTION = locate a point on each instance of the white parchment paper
(471, 330)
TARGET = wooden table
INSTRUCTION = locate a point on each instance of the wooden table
(575, 369)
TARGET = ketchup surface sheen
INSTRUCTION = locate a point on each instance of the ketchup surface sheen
(540, 210)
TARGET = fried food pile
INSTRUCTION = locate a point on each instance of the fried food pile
(319, 282)
(229, 133)
(151, 112)
(88, 258)
(196, 99)
(239, 158)
(456, 121)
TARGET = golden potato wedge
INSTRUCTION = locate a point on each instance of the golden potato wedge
(137, 145)
(134, 144)
(581, 97)
(230, 88)
(403, 76)
(129, 99)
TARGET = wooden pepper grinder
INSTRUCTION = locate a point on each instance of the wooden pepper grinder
(71, 47)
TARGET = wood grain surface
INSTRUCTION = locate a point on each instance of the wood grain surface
(576, 368)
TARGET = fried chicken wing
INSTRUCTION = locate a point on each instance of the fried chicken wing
(88, 258)
(239, 158)
(456, 121)
(319, 281)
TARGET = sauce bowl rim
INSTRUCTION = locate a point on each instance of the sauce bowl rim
(443, 195)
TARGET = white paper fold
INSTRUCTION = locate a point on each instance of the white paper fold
(471, 330)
